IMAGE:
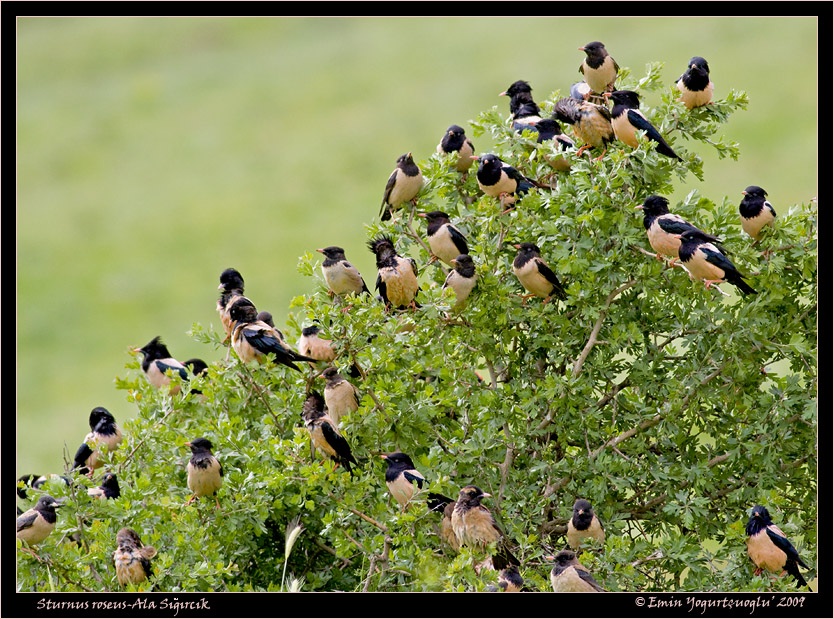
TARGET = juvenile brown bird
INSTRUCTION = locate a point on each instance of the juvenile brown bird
(159, 366)
(535, 275)
(755, 211)
(770, 549)
(403, 185)
(461, 279)
(598, 68)
(584, 524)
(445, 240)
(132, 558)
(104, 436)
(312, 344)
(695, 85)
(109, 488)
(340, 396)
(591, 123)
(231, 287)
(341, 277)
(35, 524)
(324, 433)
(570, 576)
(476, 528)
(455, 141)
(205, 473)
(396, 279)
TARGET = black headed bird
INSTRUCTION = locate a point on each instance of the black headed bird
(158, 365)
(462, 279)
(706, 262)
(35, 524)
(402, 478)
(770, 549)
(584, 524)
(396, 279)
(231, 287)
(598, 68)
(204, 471)
(109, 488)
(132, 558)
(266, 317)
(104, 434)
(523, 109)
(535, 275)
(37, 482)
(446, 506)
(755, 211)
(312, 344)
(403, 186)
(445, 240)
(627, 120)
(663, 227)
(197, 366)
(549, 130)
(695, 85)
(340, 396)
(455, 141)
(476, 528)
(509, 580)
(341, 277)
(324, 433)
(255, 339)
(591, 123)
(500, 180)
(570, 576)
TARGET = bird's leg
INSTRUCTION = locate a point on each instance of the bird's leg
(582, 149)
(216, 503)
(31, 552)
(546, 300)
(708, 283)
(433, 259)
(191, 500)
(604, 150)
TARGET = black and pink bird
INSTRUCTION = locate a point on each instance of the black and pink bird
(755, 211)
(694, 84)
(770, 549)
(705, 261)
(535, 275)
(455, 141)
(403, 185)
(664, 228)
(396, 280)
(627, 120)
(446, 241)
(598, 68)
(523, 108)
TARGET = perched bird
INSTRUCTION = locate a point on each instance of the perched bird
(341, 277)
(455, 141)
(501, 180)
(446, 506)
(509, 580)
(255, 339)
(197, 366)
(584, 524)
(591, 123)
(627, 120)
(104, 434)
(523, 109)
(266, 317)
(324, 433)
(770, 549)
(311, 344)
(231, 287)
(340, 396)
(475, 527)
(35, 524)
(705, 261)
(662, 228)
(695, 85)
(158, 365)
(535, 275)
(598, 68)
(109, 488)
(581, 91)
(570, 576)
(445, 240)
(755, 211)
(549, 129)
(132, 558)
(461, 279)
(401, 477)
(205, 473)
(403, 186)
(396, 279)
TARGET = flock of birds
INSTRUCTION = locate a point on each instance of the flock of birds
(465, 521)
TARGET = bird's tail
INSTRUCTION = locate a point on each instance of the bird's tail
(742, 285)
(793, 570)
(665, 149)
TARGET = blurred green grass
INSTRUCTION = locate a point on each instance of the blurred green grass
(152, 153)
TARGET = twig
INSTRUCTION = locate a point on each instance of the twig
(592, 340)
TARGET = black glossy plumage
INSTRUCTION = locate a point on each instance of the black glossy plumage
(705, 261)
(627, 119)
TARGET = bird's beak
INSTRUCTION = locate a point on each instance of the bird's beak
(383, 456)
(677, 236)
(220, 286)
(135, 350)
(502, 94)
(485, 494)
(639, 206)
(188, 444)
(474, 157)
(421, 214)
(517, 246)
(744, 193)
(550, 557)
(455, 261)
(581, 49)
(581, 511)
(321, 251)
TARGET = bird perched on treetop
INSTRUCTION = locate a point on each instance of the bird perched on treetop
(324, 433)
(104, 435)
(204, 471)
(396, 279)
(341, 277)
(535, 275)
(455, 141)
(584, 524)
(591, 122)
(523, 109)
(445, 240)
(255, 339)
(627, 120)
(705, 261)
(500, 180)
(132, 558)
(476, 528)
(35, 524)
(340, 396)
(755, 211)
(462, 279)
(598, 68)
(663, 228)
(231, 287)
(770, 549)
(570, 576)
(158, 365)
(694, 85)
(109, 488)
(311, 344)
(403, 186)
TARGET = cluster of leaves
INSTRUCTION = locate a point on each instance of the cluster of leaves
(671, 407)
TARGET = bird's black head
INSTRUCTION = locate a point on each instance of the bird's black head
(197, 366)
(110, 482)
(628, 98)
(311, 330)
(47, 503)
(243, 310)
(583, 506)
(548, 126)
(398, 458)
(754, 190)
(471, 496)
(655, 205)
(455, 130)
(463, 260)
(759, 519)
(330, 372)
(155, 349)
(200, 445)
(231, 279)
(313, 406)
(333, 252)
(434, 216)
(594, 48)
(527, 248)
(381, 245)
(404, 160)
(100, 414)
(565, 558)
(516, 88)
(696, 62)
(490, 161)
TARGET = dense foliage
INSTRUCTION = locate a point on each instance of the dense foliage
(671, 407)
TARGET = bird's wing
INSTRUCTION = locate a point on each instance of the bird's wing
(381, 288)
(638, 121)
(550, 276)
(674, 224)
(389, 186)
(769, 207)
(84, 451)
(784, 544)
(715, 257)
(26, 520)
(412, 476)
(337, 442)
(586, 576)
(413, 263)
(164, 367)
(458, 239)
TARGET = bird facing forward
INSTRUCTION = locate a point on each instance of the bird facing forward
(396, 279)
(535, 275)
(570, 576)
(340, 396)
(109, 488)
(695, 85)
(598, 68)
(461, 279)
(35, 524)
(341, 277)
(475, 527)
(324, 433)
(706, 262)
(523, 109)
(446, 241)
(455, 141)
(403, 186)
(663, 228)
(402, 478)
(770, 549)
(204, 471)
(627, 120)
(104, 435)
(584, 524)
(132, 558)
(158, 365)
(755, 211)
(500, 180)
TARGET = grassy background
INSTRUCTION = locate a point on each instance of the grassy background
(155, 152)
